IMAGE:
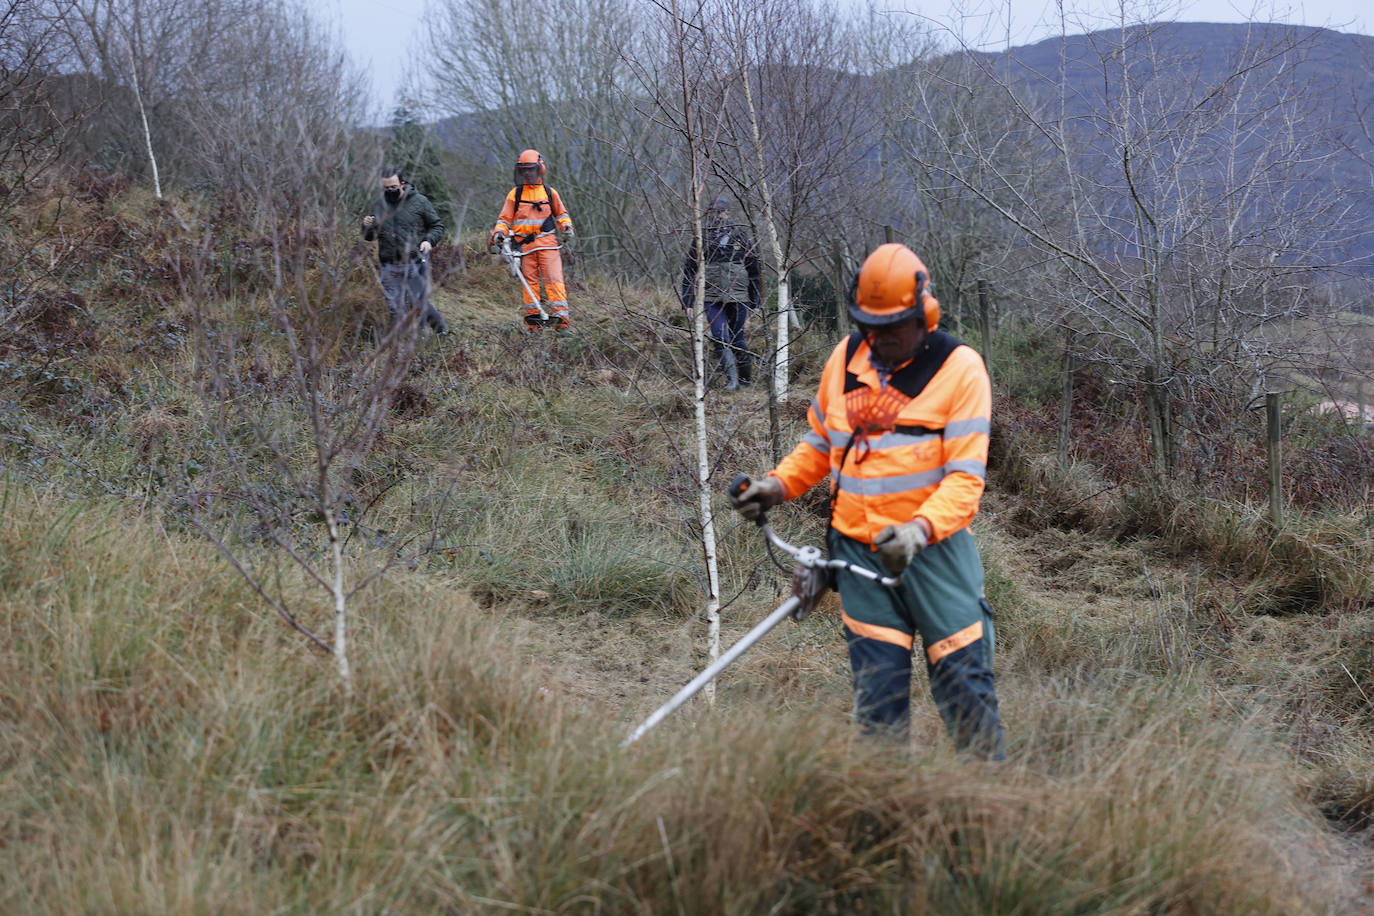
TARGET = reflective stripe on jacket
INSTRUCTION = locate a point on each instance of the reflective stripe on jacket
(916, 445)
(540, 208)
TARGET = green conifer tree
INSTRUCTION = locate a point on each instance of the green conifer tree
(415, 149)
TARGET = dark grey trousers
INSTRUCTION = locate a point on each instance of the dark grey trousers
(405, 285)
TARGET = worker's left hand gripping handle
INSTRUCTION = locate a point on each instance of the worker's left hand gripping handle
(738, 486)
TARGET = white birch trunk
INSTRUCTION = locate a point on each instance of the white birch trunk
(696, 141)
(147, 134)
(784, 308)
(708, 526)
(340, 603)
(780, 355)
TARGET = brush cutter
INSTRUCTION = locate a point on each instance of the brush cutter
(512, 255)
(812, 577)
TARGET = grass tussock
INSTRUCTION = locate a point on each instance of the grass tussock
(166, 748)
(1319, 560)
(1316, 561)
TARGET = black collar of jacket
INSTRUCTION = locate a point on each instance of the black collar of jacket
(913, 377)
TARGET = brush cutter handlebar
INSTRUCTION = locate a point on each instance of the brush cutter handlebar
(811, 579)
(511, 253)
(808, 557)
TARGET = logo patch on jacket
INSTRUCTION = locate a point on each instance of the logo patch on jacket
(928, 453)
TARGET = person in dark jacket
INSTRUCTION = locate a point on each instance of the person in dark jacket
(733, 289)
(406, 227)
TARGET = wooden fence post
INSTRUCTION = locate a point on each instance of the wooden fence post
(1271, 406)
(1066, 403)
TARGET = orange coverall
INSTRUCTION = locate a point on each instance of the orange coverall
(529, 216)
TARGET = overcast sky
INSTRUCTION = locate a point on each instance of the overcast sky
(379, 33)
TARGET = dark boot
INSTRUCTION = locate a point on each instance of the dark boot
(744, 360)
(435, 320)
(727, 362)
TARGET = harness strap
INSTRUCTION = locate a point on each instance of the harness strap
(851, 347)
(909, 381)
(548, 225)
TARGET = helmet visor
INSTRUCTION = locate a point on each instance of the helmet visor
(867, 320)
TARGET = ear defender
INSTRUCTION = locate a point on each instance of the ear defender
(891, 288)
(929, 304)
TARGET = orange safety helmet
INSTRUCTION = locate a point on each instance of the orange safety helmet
(530, 157)
(890, 287)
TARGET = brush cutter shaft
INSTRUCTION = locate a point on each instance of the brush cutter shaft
(806, 593)
(512, 259)
(709, 674)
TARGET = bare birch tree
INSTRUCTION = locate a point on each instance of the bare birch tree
(1176, 226)
(675, 90)
(957, 235)
(148, 48)
(555, 81)
(799, 128)
(295, 404)
(183, 83)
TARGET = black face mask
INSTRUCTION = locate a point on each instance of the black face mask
(392, 195)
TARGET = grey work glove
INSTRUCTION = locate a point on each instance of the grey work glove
(898, 544)
(757, 497)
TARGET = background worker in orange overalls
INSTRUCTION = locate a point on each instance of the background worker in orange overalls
(531, 213)
(900, 423)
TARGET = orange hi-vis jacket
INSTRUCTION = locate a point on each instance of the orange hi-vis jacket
(531, 211)
(912, 443)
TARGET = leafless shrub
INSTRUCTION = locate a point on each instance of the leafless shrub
(1172, 212)
(298, 400)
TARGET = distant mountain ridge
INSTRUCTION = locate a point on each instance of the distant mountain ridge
(1335, 71)
(1332, 71)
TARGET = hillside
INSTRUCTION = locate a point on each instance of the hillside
(1155, 77)
(1186, 694)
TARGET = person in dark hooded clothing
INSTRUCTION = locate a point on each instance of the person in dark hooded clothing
(734, 288)
(406, 228)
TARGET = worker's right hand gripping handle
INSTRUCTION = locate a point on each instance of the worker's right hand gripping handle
(737, 487)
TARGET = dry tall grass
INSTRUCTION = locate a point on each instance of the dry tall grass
(167, 745)
(170, 748)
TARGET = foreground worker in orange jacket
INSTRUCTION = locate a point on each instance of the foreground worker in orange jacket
(900, 423)
(531, 213)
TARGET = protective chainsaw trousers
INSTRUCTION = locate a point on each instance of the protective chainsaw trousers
(939, 598)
